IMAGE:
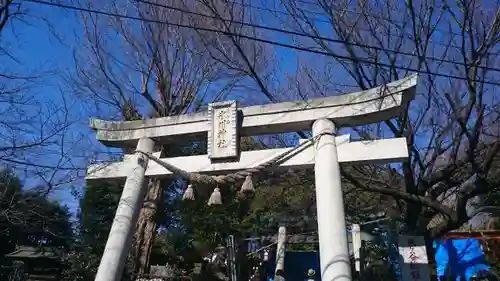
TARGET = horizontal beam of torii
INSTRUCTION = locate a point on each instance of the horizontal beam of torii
(365, 107)
(357, 152)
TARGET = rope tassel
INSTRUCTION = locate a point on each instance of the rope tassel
(215, 198)
(247, 186)
(188, 193)
(230, 178)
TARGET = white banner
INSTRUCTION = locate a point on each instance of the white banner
(413, 258)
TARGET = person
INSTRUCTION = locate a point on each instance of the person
(311, 274)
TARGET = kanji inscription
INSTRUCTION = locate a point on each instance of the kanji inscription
(413, 262)
(222, 142)
(222, 124)
(413, 259)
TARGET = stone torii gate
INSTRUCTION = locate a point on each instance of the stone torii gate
(222, 125)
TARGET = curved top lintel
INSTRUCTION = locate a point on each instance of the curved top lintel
(364, 107)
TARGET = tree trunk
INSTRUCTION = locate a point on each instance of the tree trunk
(146, 227)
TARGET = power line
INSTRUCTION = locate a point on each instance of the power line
(315, 19)
(392, 21)
(338, 41)
(275, 43)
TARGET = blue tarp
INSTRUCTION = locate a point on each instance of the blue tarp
(297, 264)
(462, 257)
(459, 258)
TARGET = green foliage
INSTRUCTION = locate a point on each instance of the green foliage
(10, 195)
(287, 198)
(95, 216)
(491, 249)
(377, 265)
(28, 218)
(46, 223)
(96, 213)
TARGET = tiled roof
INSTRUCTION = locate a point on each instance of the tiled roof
(34, 252)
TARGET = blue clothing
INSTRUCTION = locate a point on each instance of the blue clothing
(461, 257)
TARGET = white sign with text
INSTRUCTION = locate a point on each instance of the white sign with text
(413, 258)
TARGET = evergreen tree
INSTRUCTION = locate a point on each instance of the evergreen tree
(95, 216)
(28, 218)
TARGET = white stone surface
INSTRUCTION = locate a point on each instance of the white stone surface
(281, 249)
(333, 246)
(356, 246)
(122, 229)
(370, 106)
(377, 151)
(222, 138)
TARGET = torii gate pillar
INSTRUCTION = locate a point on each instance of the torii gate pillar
(123, 227)
(333, 249)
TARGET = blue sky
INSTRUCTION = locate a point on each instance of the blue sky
(36, 42)
(33, 42)
(46, 42)
(49, 43)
